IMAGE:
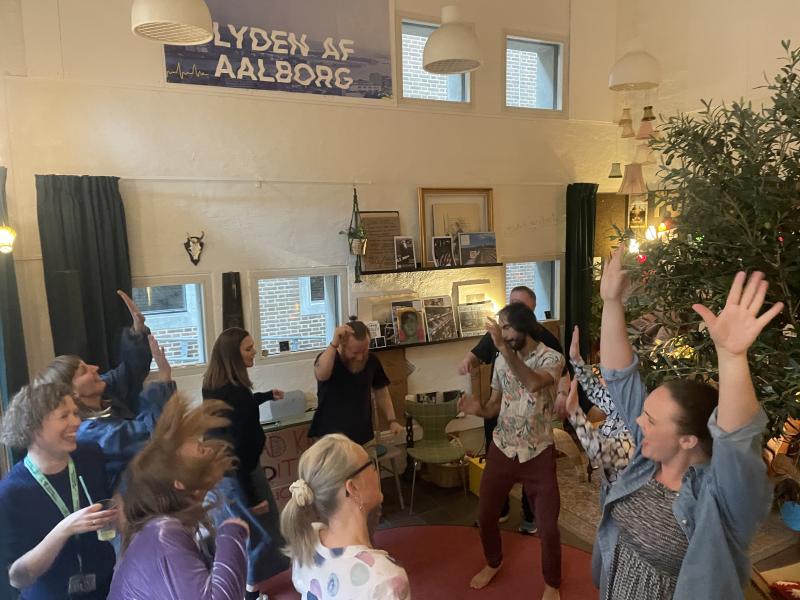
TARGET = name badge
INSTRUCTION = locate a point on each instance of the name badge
(82, 584)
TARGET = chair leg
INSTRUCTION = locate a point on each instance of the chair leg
(413, 485)
(463, 478)
(396, 474)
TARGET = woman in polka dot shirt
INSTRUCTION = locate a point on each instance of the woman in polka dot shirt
(325, 526)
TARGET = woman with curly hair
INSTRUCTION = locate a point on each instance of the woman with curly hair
(164, 554)
(47, 521)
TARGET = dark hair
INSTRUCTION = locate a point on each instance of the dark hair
(27, 411)
(524, 288)
(360, 331)
(226, 364)
(520, 318)
(696, 401)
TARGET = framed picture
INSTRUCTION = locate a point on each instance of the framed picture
(443, 255)
(477, 248)
(452, 211)
(439, 319)
(472, 317)
(409, 322)
(637, 213)
(381, 227)
(404, 255)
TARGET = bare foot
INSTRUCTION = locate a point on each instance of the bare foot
(550, 593)
(482, 579)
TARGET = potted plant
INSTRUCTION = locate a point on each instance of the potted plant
(356, 237)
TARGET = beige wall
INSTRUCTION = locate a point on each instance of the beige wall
(82, 95)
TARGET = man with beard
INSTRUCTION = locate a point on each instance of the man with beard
(523, 395)
(347, 375)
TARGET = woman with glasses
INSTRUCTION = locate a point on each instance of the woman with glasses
(325, 524)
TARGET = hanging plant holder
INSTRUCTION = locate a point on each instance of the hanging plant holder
(356, 236)
(358, 246)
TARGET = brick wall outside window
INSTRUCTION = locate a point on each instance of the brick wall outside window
(281, 317)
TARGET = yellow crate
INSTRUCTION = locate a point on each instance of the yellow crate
(476, 466)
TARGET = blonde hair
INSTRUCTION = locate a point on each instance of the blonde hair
(324, 469)
(150, 489)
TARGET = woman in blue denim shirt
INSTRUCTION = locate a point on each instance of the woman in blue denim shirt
(678, 522)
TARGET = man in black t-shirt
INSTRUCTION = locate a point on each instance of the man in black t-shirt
(486, 352)
(347, 375)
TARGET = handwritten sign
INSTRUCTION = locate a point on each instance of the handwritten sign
(332, 47)
(280, 459)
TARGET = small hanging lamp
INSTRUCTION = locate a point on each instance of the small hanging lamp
(645, 130)
(178, 22)
(7, 237)
(648, 114)
(635, 71)
(453, 47)
(627, 129)
(633, 180)
(616, 171)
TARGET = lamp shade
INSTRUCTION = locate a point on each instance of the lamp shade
(626, 115)
(648, 114)
(635, 71)
(645, 130)
(7, 237)
(453, 47)
(616, 171)
(178, 22)
(633, 180)
(644, 155)
(627, 128)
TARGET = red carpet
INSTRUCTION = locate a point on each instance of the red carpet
(440, 561)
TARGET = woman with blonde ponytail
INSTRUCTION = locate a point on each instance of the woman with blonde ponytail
(326, 529)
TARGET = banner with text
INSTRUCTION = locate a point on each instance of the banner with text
(331, 47)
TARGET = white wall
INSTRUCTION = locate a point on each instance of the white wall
(84, 96)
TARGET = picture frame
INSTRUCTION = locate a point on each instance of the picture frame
(443, 251)
(636, 214)
(477, 248)
(405, 256)
(451, 211)
(381, 227)
(440, 320)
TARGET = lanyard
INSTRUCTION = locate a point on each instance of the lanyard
(50, 490)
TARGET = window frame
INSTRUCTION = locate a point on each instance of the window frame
(418, 19)
(207, 298)
(563, 73)
(559, 301)
(254, 315)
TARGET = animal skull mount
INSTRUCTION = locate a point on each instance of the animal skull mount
(194, 246)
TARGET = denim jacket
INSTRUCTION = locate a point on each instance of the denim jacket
(719, 505)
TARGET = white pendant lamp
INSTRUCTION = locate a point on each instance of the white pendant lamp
(178, 22)
(633, 181)
(635, 71)
(7, 237)
(453, 47)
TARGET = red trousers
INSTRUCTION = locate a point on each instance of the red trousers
(540, 485)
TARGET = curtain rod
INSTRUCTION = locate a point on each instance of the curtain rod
(256, 180)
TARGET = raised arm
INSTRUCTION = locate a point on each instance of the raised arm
(323, 366)
(733, 332)
(533, 379)
(615, 349)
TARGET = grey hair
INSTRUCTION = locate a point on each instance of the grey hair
(28, 409)
(324, 467)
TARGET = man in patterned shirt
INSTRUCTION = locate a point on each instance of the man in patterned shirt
(523, 394)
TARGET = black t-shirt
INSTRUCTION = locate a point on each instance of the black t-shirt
(344, 401)
(486, 352)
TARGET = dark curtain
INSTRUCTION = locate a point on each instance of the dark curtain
(85, 255)
(581, 205)
(232, 312)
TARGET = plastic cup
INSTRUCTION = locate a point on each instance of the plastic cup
(109, 531)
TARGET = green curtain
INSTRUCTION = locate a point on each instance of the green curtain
(581, 206)
(85, 255)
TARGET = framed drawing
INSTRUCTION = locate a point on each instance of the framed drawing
(637, 213)
(404, 255)
(443, 251)
(381, 227)
(452, 211)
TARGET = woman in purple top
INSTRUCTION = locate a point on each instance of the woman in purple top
(164, 556)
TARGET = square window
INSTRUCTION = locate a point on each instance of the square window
(543, 278)
(417, 82)
(175, 316)
(301, 310)
(533, 74)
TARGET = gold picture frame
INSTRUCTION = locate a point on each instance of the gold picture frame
(450, 211)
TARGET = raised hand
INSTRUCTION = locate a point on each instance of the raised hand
(164, 368)
(340, 335)
(737, 326)
(493, 327)
(575, 346)
(571, 405)
(136, 314)
(614, 282)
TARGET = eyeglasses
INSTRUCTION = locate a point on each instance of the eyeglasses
(362, 468)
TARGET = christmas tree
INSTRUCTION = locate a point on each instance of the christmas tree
(730, 174)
